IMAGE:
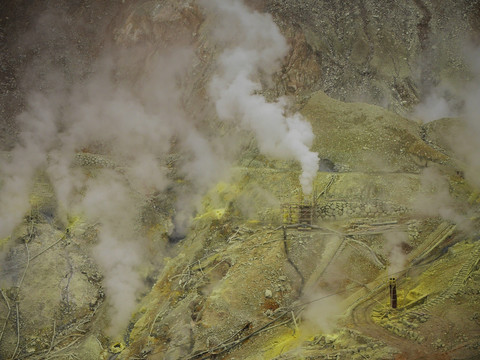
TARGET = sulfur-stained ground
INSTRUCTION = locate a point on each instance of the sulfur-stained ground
(249, 282)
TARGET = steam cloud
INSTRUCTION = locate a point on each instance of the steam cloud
(253, 43)
(321, 315)
(397, 257)
(137, 120)
(441, 103)
(435, 106)
(119, 249)
(434, 198)
(134, 123)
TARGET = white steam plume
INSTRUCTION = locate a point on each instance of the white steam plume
(38, 135)
(322, 312)
(134, 121)
(435, 106)
(434, 199)
(118, 251)
(397, 257)
(459, 100)
(253, 44)
(462, 100)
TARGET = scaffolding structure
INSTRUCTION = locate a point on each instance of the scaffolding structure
(302, 213)
(298, 213)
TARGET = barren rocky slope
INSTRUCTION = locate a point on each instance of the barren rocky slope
(388, 54)
(263, 270)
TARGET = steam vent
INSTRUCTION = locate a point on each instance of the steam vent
(239, 180)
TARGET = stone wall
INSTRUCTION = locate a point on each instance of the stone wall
(338, 209)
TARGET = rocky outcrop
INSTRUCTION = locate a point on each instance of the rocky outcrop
(387, 54)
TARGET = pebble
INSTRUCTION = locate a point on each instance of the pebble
(268, 294)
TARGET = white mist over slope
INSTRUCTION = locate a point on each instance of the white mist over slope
(253, 44)
(134, 124)
(461, 100)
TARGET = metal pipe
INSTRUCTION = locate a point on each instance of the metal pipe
(393, 292)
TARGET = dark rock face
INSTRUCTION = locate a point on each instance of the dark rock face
(383, 53)
(44, 45)
(387, 54)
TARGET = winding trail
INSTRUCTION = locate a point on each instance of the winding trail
(409, 349)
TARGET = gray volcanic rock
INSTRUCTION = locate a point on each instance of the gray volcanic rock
(388, 54)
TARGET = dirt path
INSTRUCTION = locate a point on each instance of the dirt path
(408, 349)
